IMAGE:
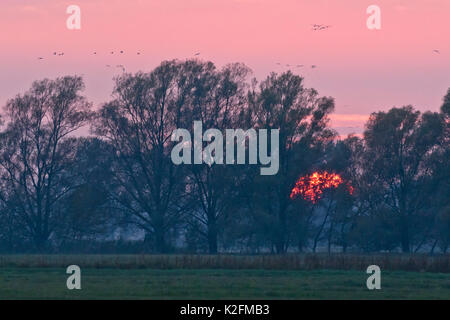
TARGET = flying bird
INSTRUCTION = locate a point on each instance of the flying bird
(40, 58)
(95, 52)
(437, 51)
(112, 52)
(121, 51)
(313, 66)
(197, 54)
(318, 27)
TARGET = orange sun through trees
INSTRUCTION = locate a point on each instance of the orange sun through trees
(311, 187)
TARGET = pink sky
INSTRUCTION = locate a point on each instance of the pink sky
(363, 70)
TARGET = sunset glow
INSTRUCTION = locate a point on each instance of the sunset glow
(311, 187)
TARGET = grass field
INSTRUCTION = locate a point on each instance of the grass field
(319, 261)
(309, 276)
(50, 283)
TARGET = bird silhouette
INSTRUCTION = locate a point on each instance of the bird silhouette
(437, 51)
(313, 66)
(54, 53)
(197, 54)
(121, 51)
(318, 27)
(40, 58)
(95, 52)
(112, 52)
(138, 53)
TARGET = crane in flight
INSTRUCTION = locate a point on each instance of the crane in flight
(318, 27)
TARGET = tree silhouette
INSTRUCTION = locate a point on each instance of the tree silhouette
(398, 146)
(282, 102)
(37, 153)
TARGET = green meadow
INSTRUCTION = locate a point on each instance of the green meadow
(144, 283)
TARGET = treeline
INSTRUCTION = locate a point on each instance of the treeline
(118, 188)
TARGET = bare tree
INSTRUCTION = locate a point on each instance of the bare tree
(399, 145)
(138, 124)
(217, 102)
(88, 213)
(37, 153)
(282, 102)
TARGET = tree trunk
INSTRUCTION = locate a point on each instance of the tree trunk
(316, 238)
(160, 241)
(281, 244)
(212, 234)
(405, 234)
(343, 238)
(330, 234)
(433, 247)
(40, 242)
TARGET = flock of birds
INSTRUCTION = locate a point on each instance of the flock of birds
(314, 27)
(121, 66)
(297, 66)
(320, 27)
(94, 53)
